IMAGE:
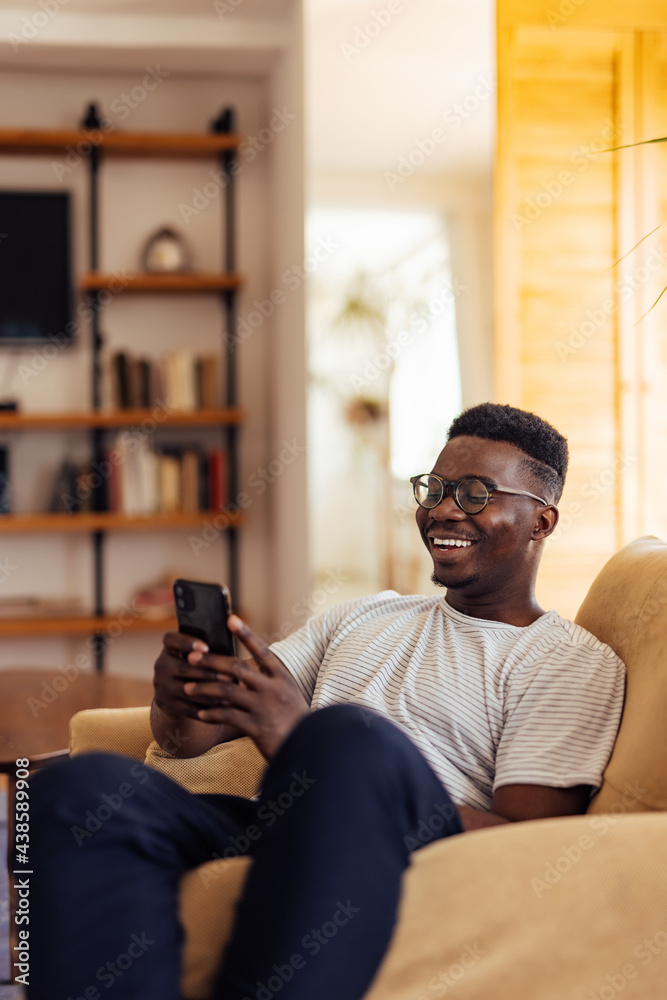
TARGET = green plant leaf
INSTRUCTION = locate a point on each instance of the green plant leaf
(635, 246)
(631, 145)
(652, 307)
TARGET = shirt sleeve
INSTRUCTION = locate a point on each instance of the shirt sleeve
(561, 716)
(302, 652)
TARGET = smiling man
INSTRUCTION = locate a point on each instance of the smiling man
(388, 722)
(496, 579)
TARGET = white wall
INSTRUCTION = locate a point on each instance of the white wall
(137, 198)
(289, 523)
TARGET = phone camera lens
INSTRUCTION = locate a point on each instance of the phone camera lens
(180, 602)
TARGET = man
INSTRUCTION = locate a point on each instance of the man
(476, 709)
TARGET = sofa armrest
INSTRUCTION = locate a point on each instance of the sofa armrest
(549, 909)
(125, 731)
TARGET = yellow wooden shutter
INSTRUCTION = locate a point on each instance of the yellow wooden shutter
(650, 265)
(556, 240)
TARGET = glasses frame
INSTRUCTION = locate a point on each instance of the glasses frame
(455, 484)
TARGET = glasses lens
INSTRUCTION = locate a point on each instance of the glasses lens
(428, 491)
(472, 495)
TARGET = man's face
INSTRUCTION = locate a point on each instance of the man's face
(503, 546)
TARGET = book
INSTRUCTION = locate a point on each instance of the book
(217, 478)
(202, 476)
(180, 380)
(120, 381)
(206, 380)
(184, 380)
(190, 481)
(170, 499)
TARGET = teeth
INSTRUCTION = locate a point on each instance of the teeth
(459, 543)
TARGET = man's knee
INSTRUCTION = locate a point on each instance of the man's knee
(353, 730)
(97, 781)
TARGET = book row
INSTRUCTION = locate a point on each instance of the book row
(185, 381)
(137, 478)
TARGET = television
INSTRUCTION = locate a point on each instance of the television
(35, 267)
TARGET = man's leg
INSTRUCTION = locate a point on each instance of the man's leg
(110, 840)
(345, 800)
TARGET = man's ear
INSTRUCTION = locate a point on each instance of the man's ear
(546, 521)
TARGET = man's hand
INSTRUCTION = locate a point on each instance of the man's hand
(171, 672)
(174, 720)
(259, 697)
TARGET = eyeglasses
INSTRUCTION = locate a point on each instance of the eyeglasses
(471, 495)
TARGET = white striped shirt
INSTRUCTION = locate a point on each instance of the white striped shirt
(488, 704)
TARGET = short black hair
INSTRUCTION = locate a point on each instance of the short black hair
(545, 447)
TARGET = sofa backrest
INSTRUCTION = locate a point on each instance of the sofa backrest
(626, 607)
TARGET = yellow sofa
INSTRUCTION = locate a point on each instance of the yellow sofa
(564, 909)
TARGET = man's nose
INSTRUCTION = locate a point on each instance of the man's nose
(447, 509)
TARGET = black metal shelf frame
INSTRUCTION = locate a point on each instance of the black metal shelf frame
(225, 123)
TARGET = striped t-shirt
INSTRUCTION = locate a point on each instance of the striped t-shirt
(488, 704)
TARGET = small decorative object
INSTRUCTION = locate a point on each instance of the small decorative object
(92, 118)
(224, 123)
(166, 253)
(156, 601)
(362, 411)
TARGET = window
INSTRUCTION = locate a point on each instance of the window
(384, 387)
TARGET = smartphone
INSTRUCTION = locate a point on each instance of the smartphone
(202, 610)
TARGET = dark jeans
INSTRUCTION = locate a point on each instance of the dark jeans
(344, 802)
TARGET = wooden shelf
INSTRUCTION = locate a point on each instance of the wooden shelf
(181, 282)
(81, 625)
(106, 521)
(192, 145)
(223, 417)
(151, 146)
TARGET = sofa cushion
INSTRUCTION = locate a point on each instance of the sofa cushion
(626, 607)
(234, 768)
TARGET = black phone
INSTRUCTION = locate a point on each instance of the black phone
(202, 610)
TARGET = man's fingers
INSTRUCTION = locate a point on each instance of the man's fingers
(225, 668)
(230, 694)
(229, 717)
(183, 670)
(178, 706)
(261, 653)
(179, 643)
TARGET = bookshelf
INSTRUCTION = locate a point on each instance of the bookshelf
(161, 282)
(97, 146)
(109, 521)
(90, 419)
(186, 145)
(79, 625)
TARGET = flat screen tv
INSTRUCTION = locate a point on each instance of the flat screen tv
(35, 267)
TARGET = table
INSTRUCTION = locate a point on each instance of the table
(36, 706)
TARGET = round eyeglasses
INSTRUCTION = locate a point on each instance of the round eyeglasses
(471, 495)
